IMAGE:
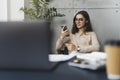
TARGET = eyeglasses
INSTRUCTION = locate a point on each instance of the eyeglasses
(79, 19)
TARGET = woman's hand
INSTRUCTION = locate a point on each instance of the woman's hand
(64, 33)
(71, 47)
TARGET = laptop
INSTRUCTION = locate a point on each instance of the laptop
(25, 45)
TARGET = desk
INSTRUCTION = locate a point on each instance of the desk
(62, 72)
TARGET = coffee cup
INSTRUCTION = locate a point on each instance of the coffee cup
(112, 49)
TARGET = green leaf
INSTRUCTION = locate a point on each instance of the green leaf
(41, 9)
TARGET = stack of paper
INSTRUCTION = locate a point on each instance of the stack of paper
(94, 60)
(61, 57)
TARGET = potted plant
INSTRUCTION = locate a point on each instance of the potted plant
(41, 10)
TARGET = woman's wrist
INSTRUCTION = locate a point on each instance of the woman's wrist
(62, 37)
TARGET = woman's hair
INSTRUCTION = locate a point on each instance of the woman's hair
(88, 24)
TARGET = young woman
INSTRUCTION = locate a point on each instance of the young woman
(82, 38)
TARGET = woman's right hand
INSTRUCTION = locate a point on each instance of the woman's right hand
(64, 33)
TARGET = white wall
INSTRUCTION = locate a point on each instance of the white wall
(3, 10)
(10, 10)
(14, 10)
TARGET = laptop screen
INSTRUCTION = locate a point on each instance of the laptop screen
(24, 44)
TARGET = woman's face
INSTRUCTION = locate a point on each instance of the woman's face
(80, 21)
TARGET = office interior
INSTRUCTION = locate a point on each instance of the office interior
(104, 15)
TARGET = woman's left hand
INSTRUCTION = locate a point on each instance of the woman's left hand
(71, 47)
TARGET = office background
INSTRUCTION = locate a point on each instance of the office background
(104, 14)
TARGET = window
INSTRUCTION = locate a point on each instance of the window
(3, 10)
(10, 10)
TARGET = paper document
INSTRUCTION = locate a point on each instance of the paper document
(61, 57)
(93, 57)
(87, 66)
(94, 60)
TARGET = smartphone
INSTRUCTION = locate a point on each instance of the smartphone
(65, 27)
